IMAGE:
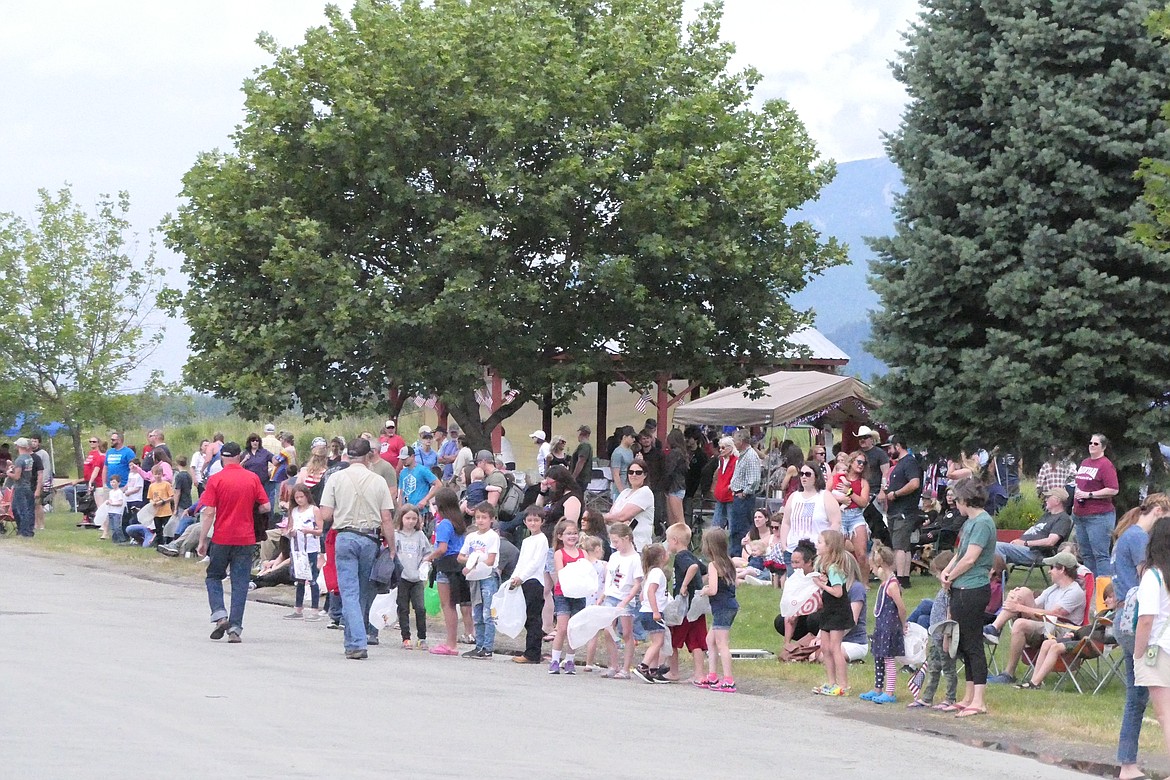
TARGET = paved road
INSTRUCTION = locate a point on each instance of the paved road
(106, 675)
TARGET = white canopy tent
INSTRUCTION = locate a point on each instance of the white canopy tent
(788, 397)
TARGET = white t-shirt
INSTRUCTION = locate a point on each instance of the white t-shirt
(643, 497)
(134, 485)
(302, 520)
(542, 457)
(658, 577)
(116, 502)
(486, 544)
(622, 574)
(506, 452)
(462, 460)
(1154, 600)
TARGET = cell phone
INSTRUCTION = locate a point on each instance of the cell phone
(1151, 655)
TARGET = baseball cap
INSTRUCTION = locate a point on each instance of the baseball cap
(1065, 559)
(390, 424)
(1058, 492)
(358, 448)
(483, 455)
(584, 429)
(230, 450)
(424, 429)
(21, 442)
(406, 452)
(318, 442)
(270, 428)
(538, 435)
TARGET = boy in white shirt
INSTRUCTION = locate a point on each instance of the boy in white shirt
(115, 509)
(529, 575)
(479, 556)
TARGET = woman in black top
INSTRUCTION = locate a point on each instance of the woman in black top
(562, 497)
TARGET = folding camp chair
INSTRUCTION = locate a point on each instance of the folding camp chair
(1036, 565)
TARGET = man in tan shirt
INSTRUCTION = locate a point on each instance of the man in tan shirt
(359, 503)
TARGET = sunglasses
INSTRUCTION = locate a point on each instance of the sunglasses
(1094, 444)
(93, 441)
(807, 474)
(774, 527)
(636, 472)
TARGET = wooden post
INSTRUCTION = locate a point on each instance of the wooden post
(546, 414)
(600, 435)
(441, 411)
(663, 383)
(497, 390)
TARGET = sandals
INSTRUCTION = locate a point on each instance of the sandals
(621, 676)
(466, 639)
(918, 704)
(1028, 685)
(947, 706)
(969, 712)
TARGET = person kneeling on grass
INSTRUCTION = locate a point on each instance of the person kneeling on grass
(1085, 642)
(1064, 600)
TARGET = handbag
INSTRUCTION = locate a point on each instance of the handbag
(386, 571)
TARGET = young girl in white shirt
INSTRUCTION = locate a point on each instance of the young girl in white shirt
(623, 580)
(411, 545)
(654, 595)
(306, 528)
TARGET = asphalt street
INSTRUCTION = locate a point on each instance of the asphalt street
(107, 675)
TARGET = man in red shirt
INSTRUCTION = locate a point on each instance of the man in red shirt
(390, 444)
(229, 500)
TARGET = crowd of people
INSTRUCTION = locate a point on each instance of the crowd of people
(831, 521)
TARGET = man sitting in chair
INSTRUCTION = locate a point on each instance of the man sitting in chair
(1044, 537)
(1034, 618)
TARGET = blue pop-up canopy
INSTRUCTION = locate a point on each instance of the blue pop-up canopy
(18, 424)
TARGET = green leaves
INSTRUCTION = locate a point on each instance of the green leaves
(422, 191)
(1017, 308)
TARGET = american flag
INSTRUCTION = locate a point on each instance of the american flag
(483, 397)
(430, 402)
(643, 402)
(916, 681)
(418, 401)
(510, 396)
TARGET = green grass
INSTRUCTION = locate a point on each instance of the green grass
(1063, 714)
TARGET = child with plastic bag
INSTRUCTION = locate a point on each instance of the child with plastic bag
(529, 577)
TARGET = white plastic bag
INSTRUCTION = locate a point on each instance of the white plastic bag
(700, 605)
(585, 624)
(384, 610)
(799, 596)
(321, 581)
(510, 610)
(146, 514)
(916, 640)
(675, 610)
(579, 580)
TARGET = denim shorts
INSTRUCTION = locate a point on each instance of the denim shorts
(649, 624)
(630, 609)
(680, 494)
(851, 520)
(722, 618)
(563, 605)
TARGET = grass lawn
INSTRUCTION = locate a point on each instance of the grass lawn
(1064, 715)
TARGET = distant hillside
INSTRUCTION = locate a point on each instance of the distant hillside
(858, 204)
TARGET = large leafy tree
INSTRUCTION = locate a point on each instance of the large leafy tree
(1017, 308)
(420, 191)
(75, 302)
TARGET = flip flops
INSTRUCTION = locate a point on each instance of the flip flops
(969, 712)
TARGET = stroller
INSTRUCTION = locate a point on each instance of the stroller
(87, 506)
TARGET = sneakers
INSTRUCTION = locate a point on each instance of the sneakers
(700, 683)
(568, 667)
(884, 698)
(472, 653)
(335, 625)
(294, 616)
(221, 627)
(727, 686)
(520, 659)
(660, 678)
(356, 655)
(372, 640)
(991, 634)
(484, 655)
(554, 667)
(311, 617)
(406, 645)
(234, 638)
(643, 673)
(422, 644)
(167, 550)
(1001, 679)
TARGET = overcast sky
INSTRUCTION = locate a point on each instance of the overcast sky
(122, 95)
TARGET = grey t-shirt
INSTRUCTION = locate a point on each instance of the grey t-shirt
(1048, 524)
(1070, 598)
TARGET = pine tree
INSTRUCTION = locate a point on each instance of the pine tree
(1018, 309)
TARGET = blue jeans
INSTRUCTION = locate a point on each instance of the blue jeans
(117, 532)
(234, 560)
(314, 589)
(24, 504)
(481, 613)
(1136, 698)
(741, 520)
(355, 556)
(1094, 534)
(722, 516)
(138, 529)
(921, 613)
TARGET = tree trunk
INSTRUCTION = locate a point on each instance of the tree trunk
(75, 437)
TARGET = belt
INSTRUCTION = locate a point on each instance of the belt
(371, 534)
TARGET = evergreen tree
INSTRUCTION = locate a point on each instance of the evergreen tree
(1017, 307)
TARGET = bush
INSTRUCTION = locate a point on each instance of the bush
(1021, 512)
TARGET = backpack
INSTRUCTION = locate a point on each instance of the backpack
(511, 501)
(1125, 627)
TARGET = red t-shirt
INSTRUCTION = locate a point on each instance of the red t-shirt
(1095, 474)
(234, 493)
(94, 460)
(389, 447)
